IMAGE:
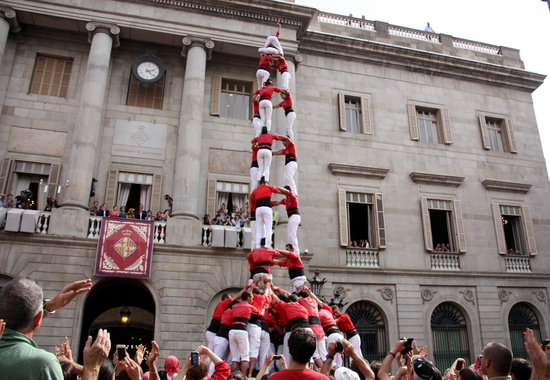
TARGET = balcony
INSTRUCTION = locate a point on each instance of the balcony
(445, 261)
(518, 264)
(362, 258)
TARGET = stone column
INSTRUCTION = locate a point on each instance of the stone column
(184, 227)
(8, 20)
(71, 219)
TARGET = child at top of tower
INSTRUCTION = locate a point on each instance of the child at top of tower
(272, 44)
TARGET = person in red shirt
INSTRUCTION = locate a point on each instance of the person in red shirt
(346, 325)
(295, 267)
(264, 215)
(221, 340)
(290, 115)
(200, 370)
(264, 96)
(294, 219)
(260, 261)
(301, 345)
(260, 300)
(238, 336)
(315, 323)
(216, 319)
(252, 219)
(281, 65)
(291, 164)
(264, 156)
(272, 44)
(254, 167)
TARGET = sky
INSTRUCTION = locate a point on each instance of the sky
(519, 24)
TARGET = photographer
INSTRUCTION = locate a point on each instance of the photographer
(199, 369)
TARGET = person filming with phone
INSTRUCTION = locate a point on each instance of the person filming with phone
(196, 367)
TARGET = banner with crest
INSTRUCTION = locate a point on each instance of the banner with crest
(125, 248)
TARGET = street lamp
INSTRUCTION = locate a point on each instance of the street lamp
(337, 301)
(125, 316)
(317, 283)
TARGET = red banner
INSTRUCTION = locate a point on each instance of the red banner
(125, 248)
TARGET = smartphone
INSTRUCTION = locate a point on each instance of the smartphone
(545, 342)
(339, 347)
(477, 366)
(277, 357)
(408, 346)
(121, 351)
(459, 365)
(194, 358)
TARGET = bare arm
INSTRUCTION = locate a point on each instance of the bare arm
(67, 294)
(385, 369)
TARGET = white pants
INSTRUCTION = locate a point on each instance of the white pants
(264, 224)
(356, 343)
(266, 109)
(238, 344)
(209, 336)
(254, 337)
(335, 337)
(261, 76)
(221, 349)
(253, 178)
(265, 344)
(285, 80)
(290, 170)
(272, 46)
(297, 282)
(289, 121)
(264, 163)
(321, 349)
(257, 123)
(292, 231)
(252, 235)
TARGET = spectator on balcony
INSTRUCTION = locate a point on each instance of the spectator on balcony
(122, 213)
(206, 220)
(160, 217)
(237, 221)
(150, 215)
(227, 221)
(131, 214)
(50, 204)
(114, 213)
(222, 211)
(428, 28)
(94, 208)
(8, 202)
(103, 211)
(170, 201)
(141, 213)
(218, 221)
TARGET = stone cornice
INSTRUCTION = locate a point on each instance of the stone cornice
(511, 187)
(418, 60)
(436, 179)
(358, 171)
(258, 10)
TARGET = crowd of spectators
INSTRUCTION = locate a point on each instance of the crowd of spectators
(22, 309)
(442, 247)
(131, 213)
(238, 217)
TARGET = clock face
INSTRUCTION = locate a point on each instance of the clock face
(148, 70)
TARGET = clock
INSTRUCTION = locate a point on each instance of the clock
(148, 69)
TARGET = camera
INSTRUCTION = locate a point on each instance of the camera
(194, 358)
(408, 345)
(121, 351)
(545, 342)
(459, 365)
(277, 357)
(478, 362)
(339, 347)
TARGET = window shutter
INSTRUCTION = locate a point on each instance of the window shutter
(110, 191)
(484, 132)
(53, 180)
(501, 240)
(428, 243)
(413, 122)
(380, 223)
(366, 116)
(529, 230)
(215, 95)
(343, 216)
(155, 192)
(342, 111)
(459, 223)
(446, 130)
(5, 174)
(211, 198)
(509, 136)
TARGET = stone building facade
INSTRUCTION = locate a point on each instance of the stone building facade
(406, 139)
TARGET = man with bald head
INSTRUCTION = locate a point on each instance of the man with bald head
(496, 361)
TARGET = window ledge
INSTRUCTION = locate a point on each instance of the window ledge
(512, 187)
(436, 179)
(358, 171)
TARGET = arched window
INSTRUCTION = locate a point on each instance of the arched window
(369, 322)
(521, 316)
(450, 335)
